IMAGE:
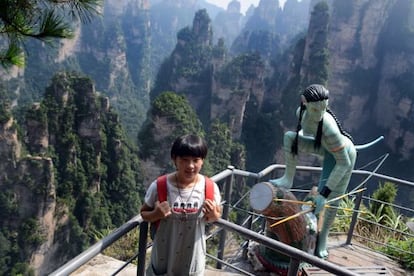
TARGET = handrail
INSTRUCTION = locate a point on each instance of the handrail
(294, 253)
(285, 249)
(95, 249)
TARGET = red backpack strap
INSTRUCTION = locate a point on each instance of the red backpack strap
(162, 188)
(209, 188)
(162, 196)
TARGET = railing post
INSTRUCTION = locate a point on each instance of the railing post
(142, 248)
(354, 217)
(249, 225)
(293, 267)
(227, 197)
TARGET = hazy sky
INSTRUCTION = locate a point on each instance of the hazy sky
(245, 4)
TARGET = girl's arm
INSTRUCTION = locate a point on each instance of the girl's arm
(160, 211)
(212, 210)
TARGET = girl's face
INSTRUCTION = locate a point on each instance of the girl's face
(316, 110)
(188, 167)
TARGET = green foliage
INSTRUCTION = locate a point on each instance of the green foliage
(77, 241)
(220, 50)
(388, 228)
(177, 109)
(261, 129)
(39, 20)
(241, 67)
(385, 193)
(123, 249)
(219, 146)
(37, 114)
(8, 204)
(175, 117)
(5, 253)
(318, 48)
(5, 113)
(30, 235)
(396, 249)
(96, 169)
(319, 62)
(20, 269)
(343, 215)
(191, 58)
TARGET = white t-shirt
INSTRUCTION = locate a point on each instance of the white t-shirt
(179, 245)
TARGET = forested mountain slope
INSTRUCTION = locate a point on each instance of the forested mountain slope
(70, 174)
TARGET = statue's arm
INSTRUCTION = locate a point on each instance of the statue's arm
(336, 144)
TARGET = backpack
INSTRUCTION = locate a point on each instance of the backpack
(162, 196)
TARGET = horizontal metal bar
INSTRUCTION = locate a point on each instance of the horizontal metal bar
(285, 249)
(271, 168)
(98, 247)
(230, 265)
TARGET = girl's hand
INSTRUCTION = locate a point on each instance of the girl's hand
(211, 210)
(162, 209)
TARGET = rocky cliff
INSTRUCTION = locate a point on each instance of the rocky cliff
(28, 199)
(57, 187)
(370, 68)
(352, 48)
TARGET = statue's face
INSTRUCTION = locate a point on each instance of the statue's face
(316, 110)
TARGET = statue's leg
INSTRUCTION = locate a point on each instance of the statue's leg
(321, 246)
(305, 144)
(329, 214)
(338, 190)
(327, 167)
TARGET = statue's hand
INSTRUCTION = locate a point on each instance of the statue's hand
(281, 183)
(319, 203)
(275, 182)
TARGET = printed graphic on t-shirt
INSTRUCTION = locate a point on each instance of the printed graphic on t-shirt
(185, 207)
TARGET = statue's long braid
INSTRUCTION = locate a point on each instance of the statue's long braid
(294, 148)
(339, 125)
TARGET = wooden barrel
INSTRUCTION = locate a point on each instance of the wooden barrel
(299, 232)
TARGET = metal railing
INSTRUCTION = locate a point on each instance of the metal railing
(226, 180)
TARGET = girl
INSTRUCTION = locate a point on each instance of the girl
(179, 246)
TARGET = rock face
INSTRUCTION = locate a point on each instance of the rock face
(47, 199)
(29, 196)
(228, 23)
(372, 74)
(350, 47)
(355, 53)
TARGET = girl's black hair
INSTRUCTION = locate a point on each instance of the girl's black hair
(189, 145)
(315, 93)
